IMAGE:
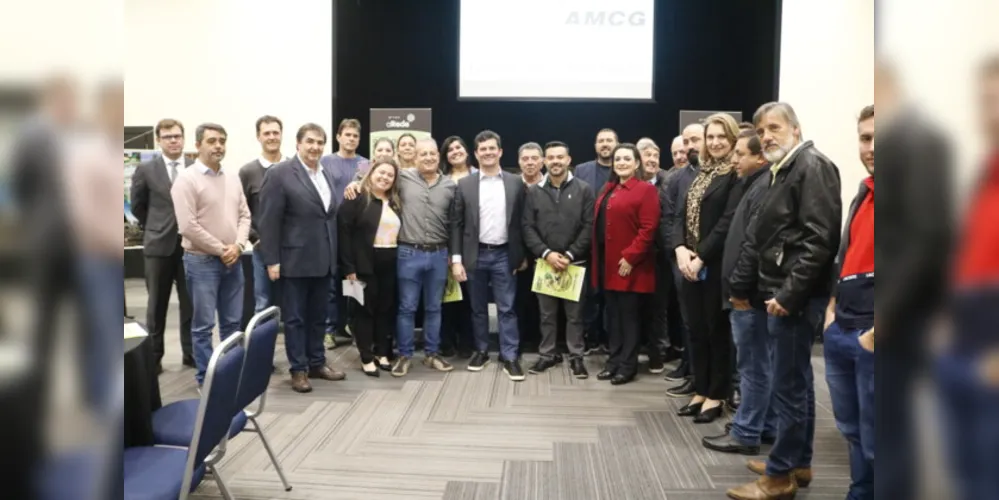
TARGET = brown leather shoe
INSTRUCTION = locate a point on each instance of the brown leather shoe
(801, 476)
(327, 373)
(300, 383)
(766, 488)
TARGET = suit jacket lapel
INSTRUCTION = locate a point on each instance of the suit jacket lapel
(473, 198)
(303, 177)
(160, 173)
(716, 183)
(512, 185)
(328, 175)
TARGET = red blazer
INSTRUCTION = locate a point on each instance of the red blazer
(631, 220)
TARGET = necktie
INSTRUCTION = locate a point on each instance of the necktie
(173, 171)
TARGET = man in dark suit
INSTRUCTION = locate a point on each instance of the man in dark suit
(164, 267)
(298, 240)
(487, 250)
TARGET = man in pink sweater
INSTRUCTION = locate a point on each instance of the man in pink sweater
(213, 220)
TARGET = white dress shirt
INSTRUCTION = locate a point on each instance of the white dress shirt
(492, 209)
(319, 181)
(173, 172)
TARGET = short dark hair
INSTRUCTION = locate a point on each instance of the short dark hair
(353, 123)
(746, 126)
(309, 127)
(556, 144)
(753, 143)
(199, 133)
(616, 138)
(268, 119)
(168, 123)
(487, 135)
(866, 114)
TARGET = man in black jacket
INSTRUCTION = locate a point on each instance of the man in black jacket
(756, 418)
(558, 224)
(269, 130)
(795, 237)
(672, 196)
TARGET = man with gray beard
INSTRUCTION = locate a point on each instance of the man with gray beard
(795, 238)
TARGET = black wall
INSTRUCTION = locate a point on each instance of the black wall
(709, 54)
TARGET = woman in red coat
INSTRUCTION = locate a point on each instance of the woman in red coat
(624, 228)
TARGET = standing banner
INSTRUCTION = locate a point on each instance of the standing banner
(688, 117)
(393, 122)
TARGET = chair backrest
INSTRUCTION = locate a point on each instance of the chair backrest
(218, 403)
(261, 338)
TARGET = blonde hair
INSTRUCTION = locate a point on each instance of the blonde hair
(731, 128)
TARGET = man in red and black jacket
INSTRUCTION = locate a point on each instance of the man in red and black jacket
(850, 318)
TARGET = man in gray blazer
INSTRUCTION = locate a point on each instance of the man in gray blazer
(487, 250)
(153, 206)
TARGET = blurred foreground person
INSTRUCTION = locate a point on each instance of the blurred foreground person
(968, 367)
(796, 235)
(913, 244)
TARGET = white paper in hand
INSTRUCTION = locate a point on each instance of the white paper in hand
(354, 289)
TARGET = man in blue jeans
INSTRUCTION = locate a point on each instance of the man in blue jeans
(849, 366)
(214, 220)
(487, 241)
(756, 419)
(794, 240)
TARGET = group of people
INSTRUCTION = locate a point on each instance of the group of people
(743, 232)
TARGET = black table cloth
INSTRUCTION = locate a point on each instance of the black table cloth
(142, 394)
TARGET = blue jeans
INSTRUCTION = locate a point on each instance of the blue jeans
(99, 279)
(492, 272)
(420, 272)
(304, 312)
(757, 416)
(850, 374)
(213, 287)
(794, 388)
(970, 414)
(261, 284)
(678, 280)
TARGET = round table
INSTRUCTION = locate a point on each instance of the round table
(142, 392)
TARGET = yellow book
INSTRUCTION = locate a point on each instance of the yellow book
(566, 284)
(452, 290)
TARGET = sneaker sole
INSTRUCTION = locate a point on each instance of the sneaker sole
(478, 368)
(581, 376)
(514, 378)
(656, 371)
(442, 370)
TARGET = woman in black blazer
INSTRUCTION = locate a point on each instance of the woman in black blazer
(702, 222)
(368, 232)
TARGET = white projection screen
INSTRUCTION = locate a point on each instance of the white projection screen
(556, 49)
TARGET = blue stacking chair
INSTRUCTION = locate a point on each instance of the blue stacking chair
(260, 341)
(169, 472)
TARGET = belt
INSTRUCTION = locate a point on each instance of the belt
(433, 247)
(486, 246)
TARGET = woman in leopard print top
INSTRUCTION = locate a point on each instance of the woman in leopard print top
(702, 224)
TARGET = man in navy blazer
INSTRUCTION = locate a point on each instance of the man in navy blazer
(299, 241)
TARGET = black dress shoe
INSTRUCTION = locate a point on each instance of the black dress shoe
(767, 440)
(684, 390)
(691, 410)
(708, 416)
(578, 368)
(622, 379)
(728, 444)
(605, 375)
(681, 373)
(546, 362)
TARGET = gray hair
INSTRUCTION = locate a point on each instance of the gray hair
(427, 141)
(530, 145)
(782, 108)
(646, 143)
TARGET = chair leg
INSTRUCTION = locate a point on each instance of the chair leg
(270, 453)
(223, 490)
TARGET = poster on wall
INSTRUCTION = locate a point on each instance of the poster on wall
(393, 122)
(133, 157)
